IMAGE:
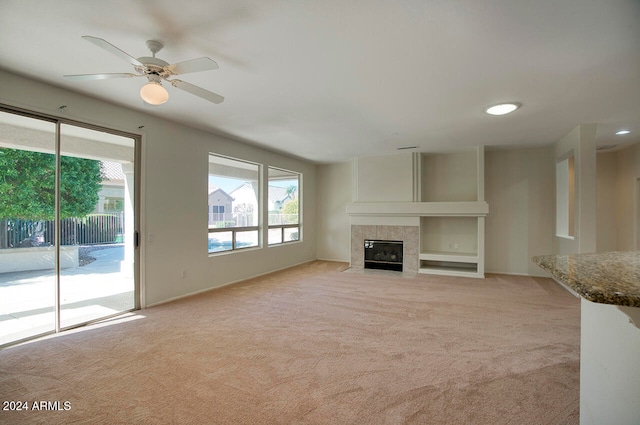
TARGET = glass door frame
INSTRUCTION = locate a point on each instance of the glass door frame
(59, 121)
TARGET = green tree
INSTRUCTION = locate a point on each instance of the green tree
(80, 182)
(27, 186)
(291, 191)
(290, 212)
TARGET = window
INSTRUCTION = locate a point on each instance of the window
(234, 204)
(565, 198)
(284, 206)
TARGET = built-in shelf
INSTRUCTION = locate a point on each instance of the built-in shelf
(452, 235)
(454, 257)
(449, 263)
(450, 269)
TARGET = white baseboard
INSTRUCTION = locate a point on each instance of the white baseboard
(507, 273)
(333, 260)
(517, 274)
(179, 297)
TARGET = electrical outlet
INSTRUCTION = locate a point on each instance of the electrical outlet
(183, 274)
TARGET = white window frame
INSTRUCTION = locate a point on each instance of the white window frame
(231, 162)
(283, 227)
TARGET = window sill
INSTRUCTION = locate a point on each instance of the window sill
(233, 251)
(284, 244)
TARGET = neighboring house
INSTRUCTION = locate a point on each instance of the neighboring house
(278, 196)
(245, 205)
(220, 206)
(111, 195)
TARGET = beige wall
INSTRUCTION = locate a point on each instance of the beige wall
(618, 185)
(628, 169)
(607, 199)
(174, 173)
(520, 188)
(384, 178)
(450, 177)
(334, 229)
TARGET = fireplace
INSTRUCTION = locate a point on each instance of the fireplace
(383, 254)
(409, 235)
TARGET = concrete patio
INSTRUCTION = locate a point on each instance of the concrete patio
(95, 290)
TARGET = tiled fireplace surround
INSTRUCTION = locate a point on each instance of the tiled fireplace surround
(409, 235)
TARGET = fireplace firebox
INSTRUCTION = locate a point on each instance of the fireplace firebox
(381, 254)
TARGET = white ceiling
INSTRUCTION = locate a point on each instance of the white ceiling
(335, 79)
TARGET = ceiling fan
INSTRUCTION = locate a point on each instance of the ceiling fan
(155, 70)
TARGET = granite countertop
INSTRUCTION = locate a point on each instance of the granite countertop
(606, 278)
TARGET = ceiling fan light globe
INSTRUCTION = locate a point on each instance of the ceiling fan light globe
(153, 93)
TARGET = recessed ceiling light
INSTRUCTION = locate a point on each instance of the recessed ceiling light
(502, 108)
(622, 132)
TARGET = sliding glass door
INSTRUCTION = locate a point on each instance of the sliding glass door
(96, 224)
(67, 225)
(27, 208)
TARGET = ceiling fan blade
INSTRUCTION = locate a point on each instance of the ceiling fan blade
(113, 49)
(198, 91)
(84, 77)
(193, 65)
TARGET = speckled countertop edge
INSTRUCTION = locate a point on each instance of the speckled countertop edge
(606, 278)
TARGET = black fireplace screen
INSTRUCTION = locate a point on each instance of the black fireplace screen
(380, 254)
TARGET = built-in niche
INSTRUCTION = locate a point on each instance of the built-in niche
(449, 245)
(565, 197)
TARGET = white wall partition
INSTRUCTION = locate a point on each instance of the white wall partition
(580, 143)
(609, 373)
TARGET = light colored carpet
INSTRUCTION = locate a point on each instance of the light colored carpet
(316, 345)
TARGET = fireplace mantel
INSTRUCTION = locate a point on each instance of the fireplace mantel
(418, 209)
